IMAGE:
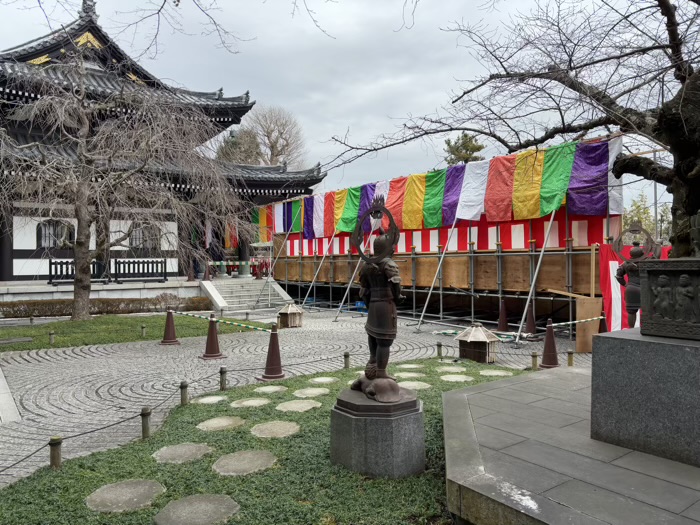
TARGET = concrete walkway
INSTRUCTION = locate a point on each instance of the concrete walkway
(519, 451)
(76, 390)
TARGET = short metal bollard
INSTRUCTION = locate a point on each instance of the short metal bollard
(570, 358)
(52, 337)
(55, 452)
(247, 316)
(222, 378)
(184, 395)
(534, 361)
(143, 330)
(439, 350)
(145, 422)
(346, 360)
(31, 320)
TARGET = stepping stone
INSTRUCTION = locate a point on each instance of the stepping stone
(275, 429)
(244, 462)
(250, 402)
(494, 373)
(133, 494)
(202, 509)
(323, 380)
(220, 423)
(451, 369)
(414, 385)
(351, 382)
(311, 392)
(270, 389)
(457, 378)
(209, 400)
(410, 366)
(181, 453)
(406, 375)
(299, 405)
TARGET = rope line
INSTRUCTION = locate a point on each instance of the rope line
(256, 328)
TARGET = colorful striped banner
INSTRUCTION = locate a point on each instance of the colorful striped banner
(519, 187)
(453, 187)
(349, 215)
(394, 202)
(413, 202)
(329, 214)
(588, 188)
(558, 162)
(366, 198)
(527, 183)
(498, 200)
(434, 198)
(308, 218)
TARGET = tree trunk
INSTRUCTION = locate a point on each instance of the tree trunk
(82, 259)
(679, 126)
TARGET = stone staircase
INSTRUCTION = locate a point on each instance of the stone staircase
(236, 295)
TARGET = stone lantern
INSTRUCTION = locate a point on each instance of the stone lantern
(478, 344)
(290, 316)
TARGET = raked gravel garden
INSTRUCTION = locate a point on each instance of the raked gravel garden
(257, 454)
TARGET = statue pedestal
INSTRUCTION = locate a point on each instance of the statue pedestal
(378, 440)
(646, 394)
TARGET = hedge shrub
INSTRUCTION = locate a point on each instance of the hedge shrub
(64, 307)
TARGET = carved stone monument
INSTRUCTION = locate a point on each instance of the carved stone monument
(377, 427)
(646, 381)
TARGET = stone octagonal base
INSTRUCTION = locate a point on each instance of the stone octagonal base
(646, 394)
(379, 440)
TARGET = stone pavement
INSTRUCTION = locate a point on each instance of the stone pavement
(519, 451)
(80, 390)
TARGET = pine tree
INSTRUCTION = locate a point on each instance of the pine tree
(463, 149)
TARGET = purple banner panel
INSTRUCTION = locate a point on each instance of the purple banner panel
(588, 186)
(453, 185)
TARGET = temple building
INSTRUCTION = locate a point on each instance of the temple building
(28, 240)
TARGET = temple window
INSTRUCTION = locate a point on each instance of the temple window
(54, 234)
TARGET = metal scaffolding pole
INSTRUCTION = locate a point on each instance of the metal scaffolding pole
(318, 270)
(534, 278)
(442, 258)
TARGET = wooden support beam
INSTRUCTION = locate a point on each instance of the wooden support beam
(560, 292)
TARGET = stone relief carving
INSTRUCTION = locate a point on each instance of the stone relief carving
(678, 302)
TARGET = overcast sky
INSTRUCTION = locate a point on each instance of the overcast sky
(364, 79)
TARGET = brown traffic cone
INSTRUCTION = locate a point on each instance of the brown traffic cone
(273, 365)
(549, 356)
(212, 349)
(530, 326)
(502, 317)
(169, 337)
(603, 325)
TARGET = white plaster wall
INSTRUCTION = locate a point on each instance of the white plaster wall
(116, 230)
(24, 232)
(168, 240)
(31, 267)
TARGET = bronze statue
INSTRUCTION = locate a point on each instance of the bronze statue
(633, 296)
(380, 284)
(380, 289)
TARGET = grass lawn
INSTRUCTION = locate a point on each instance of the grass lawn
(106, 329)
(301, 488)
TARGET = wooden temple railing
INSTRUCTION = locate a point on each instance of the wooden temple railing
(124, 270)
